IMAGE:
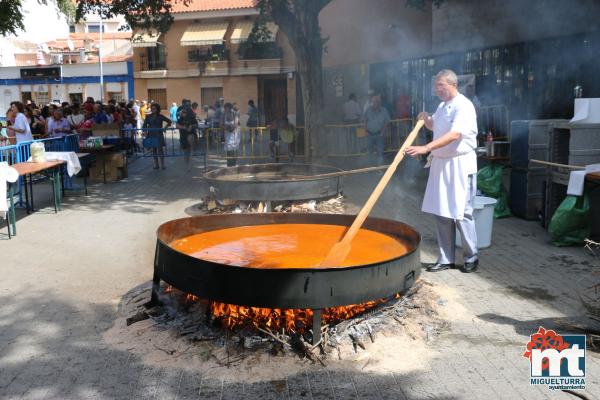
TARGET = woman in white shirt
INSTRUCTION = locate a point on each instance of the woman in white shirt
(20, 128)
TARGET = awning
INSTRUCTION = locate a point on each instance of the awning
(243, 28)
(205, 33)
(145, 39)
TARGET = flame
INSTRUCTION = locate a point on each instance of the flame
(290, 320)
(232, 316)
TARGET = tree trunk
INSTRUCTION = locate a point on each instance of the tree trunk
(300, 23)
(308, 66)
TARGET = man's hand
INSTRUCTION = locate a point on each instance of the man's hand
(427, 119)
(415, 151)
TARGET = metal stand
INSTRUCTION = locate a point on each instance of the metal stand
(154, 300)
(316, 326)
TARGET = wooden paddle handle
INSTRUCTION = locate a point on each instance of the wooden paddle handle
(340, 250)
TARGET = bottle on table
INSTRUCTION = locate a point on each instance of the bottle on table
(489, 139)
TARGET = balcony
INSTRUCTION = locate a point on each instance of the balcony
(151, 68)
(259, 51)
(212, 54)
(258, 59)
(149, 64)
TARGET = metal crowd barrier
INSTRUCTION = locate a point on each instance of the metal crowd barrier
(21, 152)
(64, 143)
(348, 140)
(9, 154)
(260, 143)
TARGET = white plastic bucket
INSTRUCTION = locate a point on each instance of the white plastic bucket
(483, 213)
(38, 152)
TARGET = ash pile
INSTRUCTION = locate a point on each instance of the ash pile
(414, 315)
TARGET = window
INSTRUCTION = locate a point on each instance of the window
(158, 96)
(71, 28)
(216, 52)
(209, 96)
(155, 58)
(25, 96)
(116, 96)
(42, 98)
(76, 98)
(95, 28)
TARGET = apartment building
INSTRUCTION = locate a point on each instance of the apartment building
(204, 56)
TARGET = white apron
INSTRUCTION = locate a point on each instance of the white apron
(446, 192)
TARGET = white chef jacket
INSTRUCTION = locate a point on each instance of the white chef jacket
(446, 192)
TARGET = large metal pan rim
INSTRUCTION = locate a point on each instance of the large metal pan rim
(210, 175)
(408, 253)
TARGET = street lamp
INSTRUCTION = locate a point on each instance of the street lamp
(100, 57)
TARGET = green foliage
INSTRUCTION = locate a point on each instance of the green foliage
(147, 15)
(11, 18)
(260, 44)
(156, 14)
(67, 7)
(260, 31)
(11, 14)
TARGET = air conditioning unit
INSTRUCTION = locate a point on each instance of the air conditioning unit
(57, 58)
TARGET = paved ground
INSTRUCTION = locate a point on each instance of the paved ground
(64, 275)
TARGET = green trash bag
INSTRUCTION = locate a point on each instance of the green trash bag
(489, 181)
(570, 223)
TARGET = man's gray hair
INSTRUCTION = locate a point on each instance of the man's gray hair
(448, 75)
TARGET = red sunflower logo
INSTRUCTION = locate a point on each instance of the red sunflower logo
(545, 339)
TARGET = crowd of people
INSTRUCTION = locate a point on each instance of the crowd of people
(29, 121)
(25, 122)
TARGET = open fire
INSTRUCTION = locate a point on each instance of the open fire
(276, 319)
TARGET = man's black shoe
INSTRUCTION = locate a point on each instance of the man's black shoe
(470, 266)
(439, 267)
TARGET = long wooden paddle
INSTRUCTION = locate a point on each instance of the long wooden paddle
(340, 250)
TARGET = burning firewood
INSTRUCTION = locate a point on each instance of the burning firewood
(302, 348)
(236, 332)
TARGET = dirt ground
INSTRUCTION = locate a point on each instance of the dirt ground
(399, 346)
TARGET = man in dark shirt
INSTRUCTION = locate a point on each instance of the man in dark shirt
(187, 125)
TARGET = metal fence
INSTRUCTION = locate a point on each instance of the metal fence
(21, 152)
(351, 139)
(255, 144)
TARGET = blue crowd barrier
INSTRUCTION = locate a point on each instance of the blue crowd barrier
(9, 154)
(21, 152)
